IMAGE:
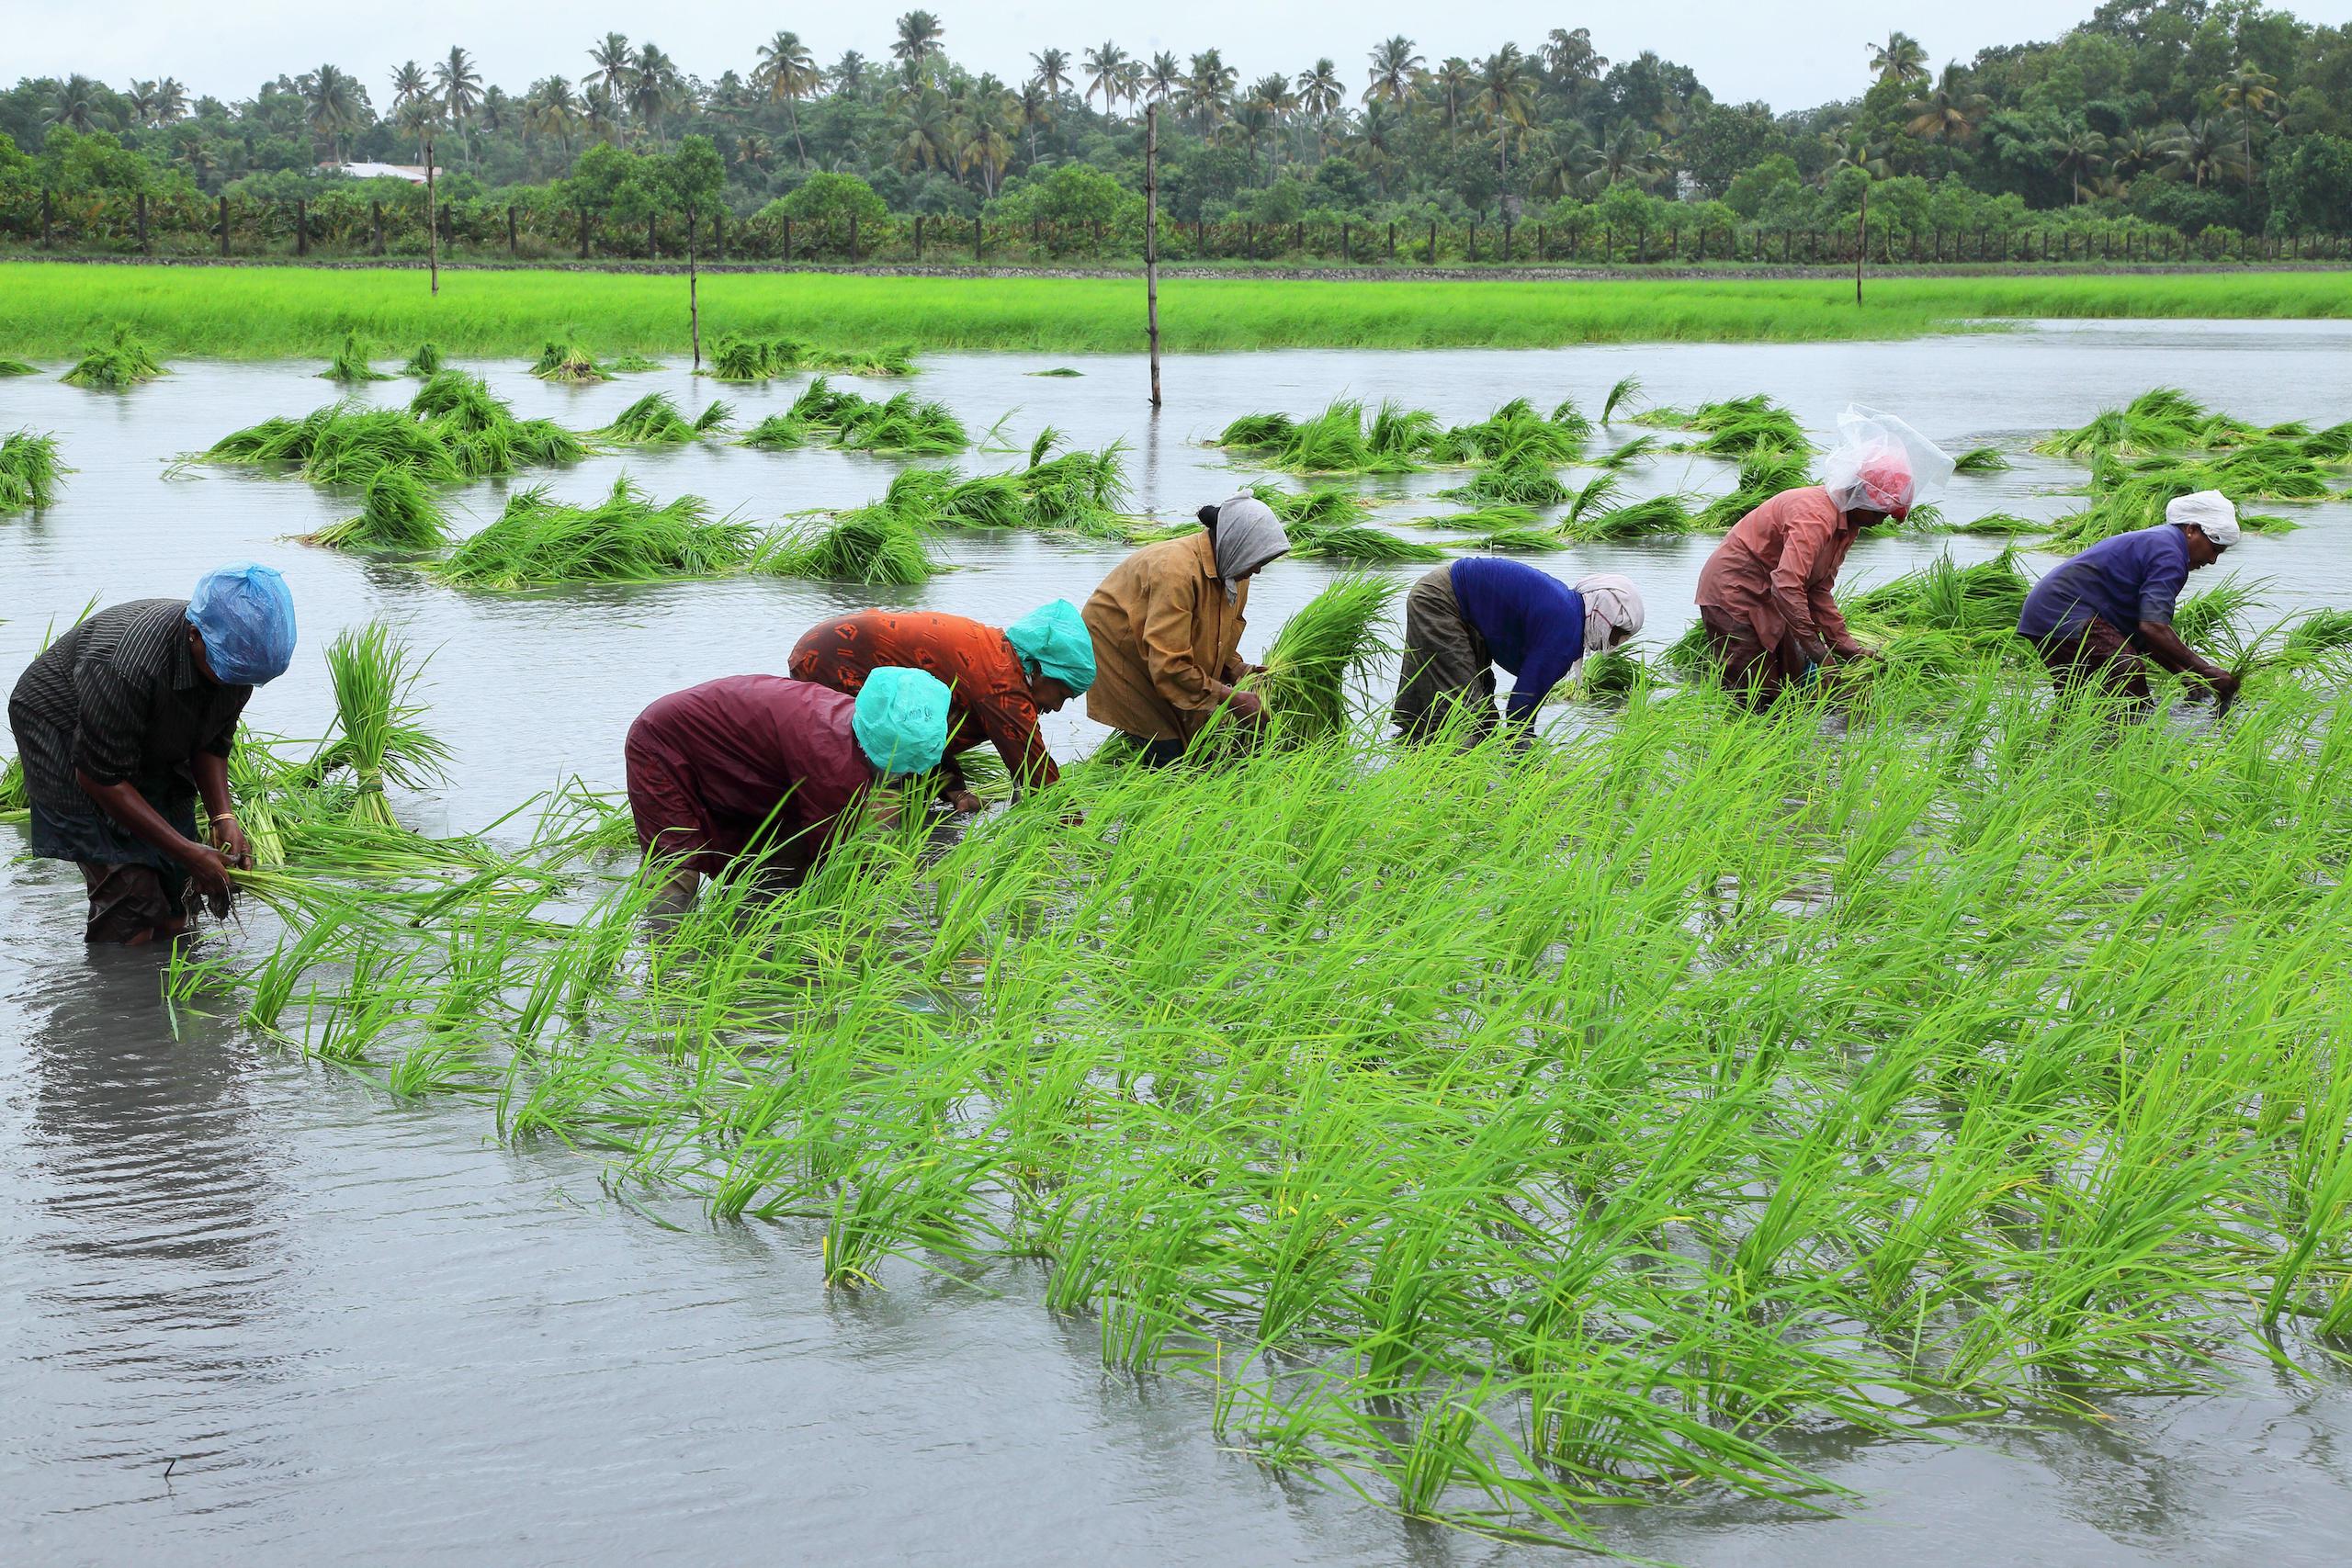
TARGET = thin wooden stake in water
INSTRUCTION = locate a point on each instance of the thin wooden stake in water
(1151, 240)
(1862, 243)
(694, 300)
(431, 224)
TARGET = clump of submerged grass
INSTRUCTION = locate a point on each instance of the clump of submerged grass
(1520, 541)
(398, 512)
(1077, 491)
(539, 541)
(564, 360)
(868, 545)
(1978, 604)
(17, 368)
(900, 424)
(30, 471)
(1323, 646)
(1483, 519)
(122, 361)
(1623, 395)
(1763, 474)
(2128, 495)
(351, 362)
(746, 356)
(454, 429)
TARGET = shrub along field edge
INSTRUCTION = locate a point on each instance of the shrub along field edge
(52, 311)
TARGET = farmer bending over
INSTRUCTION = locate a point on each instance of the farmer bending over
(760, 766)
(1167, 629)
(1764, 595)
(999, 681)
(124, 721)
(2100, 616)
(1465, 617)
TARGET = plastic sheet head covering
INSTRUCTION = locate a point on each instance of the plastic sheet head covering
(2207, 510)
(1053, 641)
(246, 616)
(900, 720)
(1880, 464)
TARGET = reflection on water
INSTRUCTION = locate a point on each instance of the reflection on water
(341, 1319)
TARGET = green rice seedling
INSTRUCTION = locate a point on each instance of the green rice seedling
(1513, 431)
(1640, 519)
(1623, 395)
(715, 417)
(350, 362)
(17, 368)
(1323, 646)
(1763, 473)
(869, 544)
(2317, 635)
(738, 357)
(1077, 492)
(122, 361)
(1365, 546)
(896, 360)
(382, 736)
(2203, 620)
(900, 424)
(1980, 603)
(398, 512)
(1596, 494)
(1042, 445)
(1981, 460)
(1252, 433)
(1997, 522)
(1613, 673)
(984, 501)
(1320, 507)
(1520, 541)
(1398, 435)
(1568, 416)
(1626, 454)
(425, 361)
(30, 471)
(561, 359)
(777, 433)
(1484, 519)
(2125, 496)
(630, 364)
(652, 421)
(539, 541)
(1058, 370)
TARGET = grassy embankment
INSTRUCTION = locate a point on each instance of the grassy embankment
(52, 312)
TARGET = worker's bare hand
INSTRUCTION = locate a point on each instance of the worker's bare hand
(2224, 686)
(208, 873)
(231, 841)
(883, 814)
(965, 801)
(1073, 818)
(1247, 705)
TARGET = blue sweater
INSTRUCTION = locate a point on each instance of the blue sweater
(1532, 622)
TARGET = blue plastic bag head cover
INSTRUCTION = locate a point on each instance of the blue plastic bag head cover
(246, 616)
(900, 720)
(1053, 641)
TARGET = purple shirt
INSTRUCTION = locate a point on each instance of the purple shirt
(1532, 622)
(2124, 580)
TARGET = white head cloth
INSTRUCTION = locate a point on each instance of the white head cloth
(1249, 535)
(2209, 510)
(1611, 603)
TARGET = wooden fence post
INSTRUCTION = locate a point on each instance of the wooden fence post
(1392, 242)
(652, 237)
(142, 209)
(718, 235)
(979, 236)
(44, 218)
(224, 225)
(511, 251)
(787, 239)
(583, 233)
(918, 236)
(302, 226)
(853, 238)
(1432, 242)
(376, 226)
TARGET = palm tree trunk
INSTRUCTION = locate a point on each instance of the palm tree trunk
(432, 225)
(792, 108)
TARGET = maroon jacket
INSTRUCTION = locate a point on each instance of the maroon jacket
(708, 765)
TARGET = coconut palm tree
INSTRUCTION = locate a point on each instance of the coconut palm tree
(1395, 68)
(600, 114)
(1569, 59)
(654, 88)
(1633, 151)
(75, 104)
(1901, 58)
(1052, 71)
(754, 150)
(171, 100)
(1567, 161)
(1503, 101)
(2202, 150)
(923, 127)
(1131, 84)
(1852, 148)
(140, 101)
(1949, 111)
(1033, 107)
(1321, 93)
(2135, 151)
(917, 39)
(1164, 78)
(787, 71)
(459, 85)
(407, 83)
(1105, 67)
(2249, 93)
(1453, 83)
(2081, 150)
(331, 105)
(1207, 90)
(986, 149)
(850, 75)
(1374, 146)
(549, 109)
(615, 63)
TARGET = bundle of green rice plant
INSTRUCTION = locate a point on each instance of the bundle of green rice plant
(350, 362)
(742, 359)
(2318, 634)
(539, 541)
(1997, 522)
(715, 417)
(563, 360)
(121, 361)
(899, 359)
(17, 367)
(1980, 460)
(651, 421)
(1520, 479)
(380, 735)
(345, 444)
(2163, 419)
(1977, 602)
(900, 424)
(30, 471)
(984, 501)
(1077, 492)
(920, 495)
(1320, 507)
(2205, 618)
(2333, 444)
(869, 544)
(1514, 430)
(1640, 519)
(1628, 453)
(1763, 474)
(1371, 546)
(1623, 395)
(1568, 416)
(425, 361)
(1483, 519)
(1613, 673)
(1058, 370)
(1330, 640)
(1520, 541)
(777, 433)
(1256, 432)
(1400, 433)
(1331, 442)
(629, 364)
(398, 512)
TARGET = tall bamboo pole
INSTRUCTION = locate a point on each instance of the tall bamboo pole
(1151, 240)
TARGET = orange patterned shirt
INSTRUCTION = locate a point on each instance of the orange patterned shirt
(988, 690)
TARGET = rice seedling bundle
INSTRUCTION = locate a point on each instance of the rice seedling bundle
(777, 433)
(17, 368)
(1640, 519)
(1520, 541)
(870, 544)
(122, 361)
(1997, 523)
(1327, 642)
(2125, 496)
(1623, 395)
(652, 421)
(1077, 492)
(2203, 620)
(1521, 476)
(564, 360)
(30, 471)
(1341, 439)
(539, 541)
(1359, 542)
(1256, 432)
(1612, 673)
(1515, 431)
(381, 736)
(2318, 635)
(740, 358)
(425, 362)
(984, 501)
(1320, 507)
(351, 362)
(1981, 460)
(398, 512)
(1979, 602)
(899, 423)
(1484, 519)
(1736, 427)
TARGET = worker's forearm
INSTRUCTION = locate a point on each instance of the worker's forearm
(2173, 654)
(130, 810)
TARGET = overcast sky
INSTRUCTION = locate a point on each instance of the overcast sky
(1791, 57)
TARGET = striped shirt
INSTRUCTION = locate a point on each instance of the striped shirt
(120, 699)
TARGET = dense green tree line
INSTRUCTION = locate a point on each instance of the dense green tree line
(2193, 115)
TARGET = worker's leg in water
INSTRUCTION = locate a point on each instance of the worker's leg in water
(1751, 669)
(2100, 657)
(131, 905)
(1152, 752)
(1446, 669)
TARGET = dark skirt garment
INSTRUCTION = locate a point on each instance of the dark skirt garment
(1447, 665)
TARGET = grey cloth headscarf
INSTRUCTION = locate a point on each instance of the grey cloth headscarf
(1249, 535)
(1611, 603)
